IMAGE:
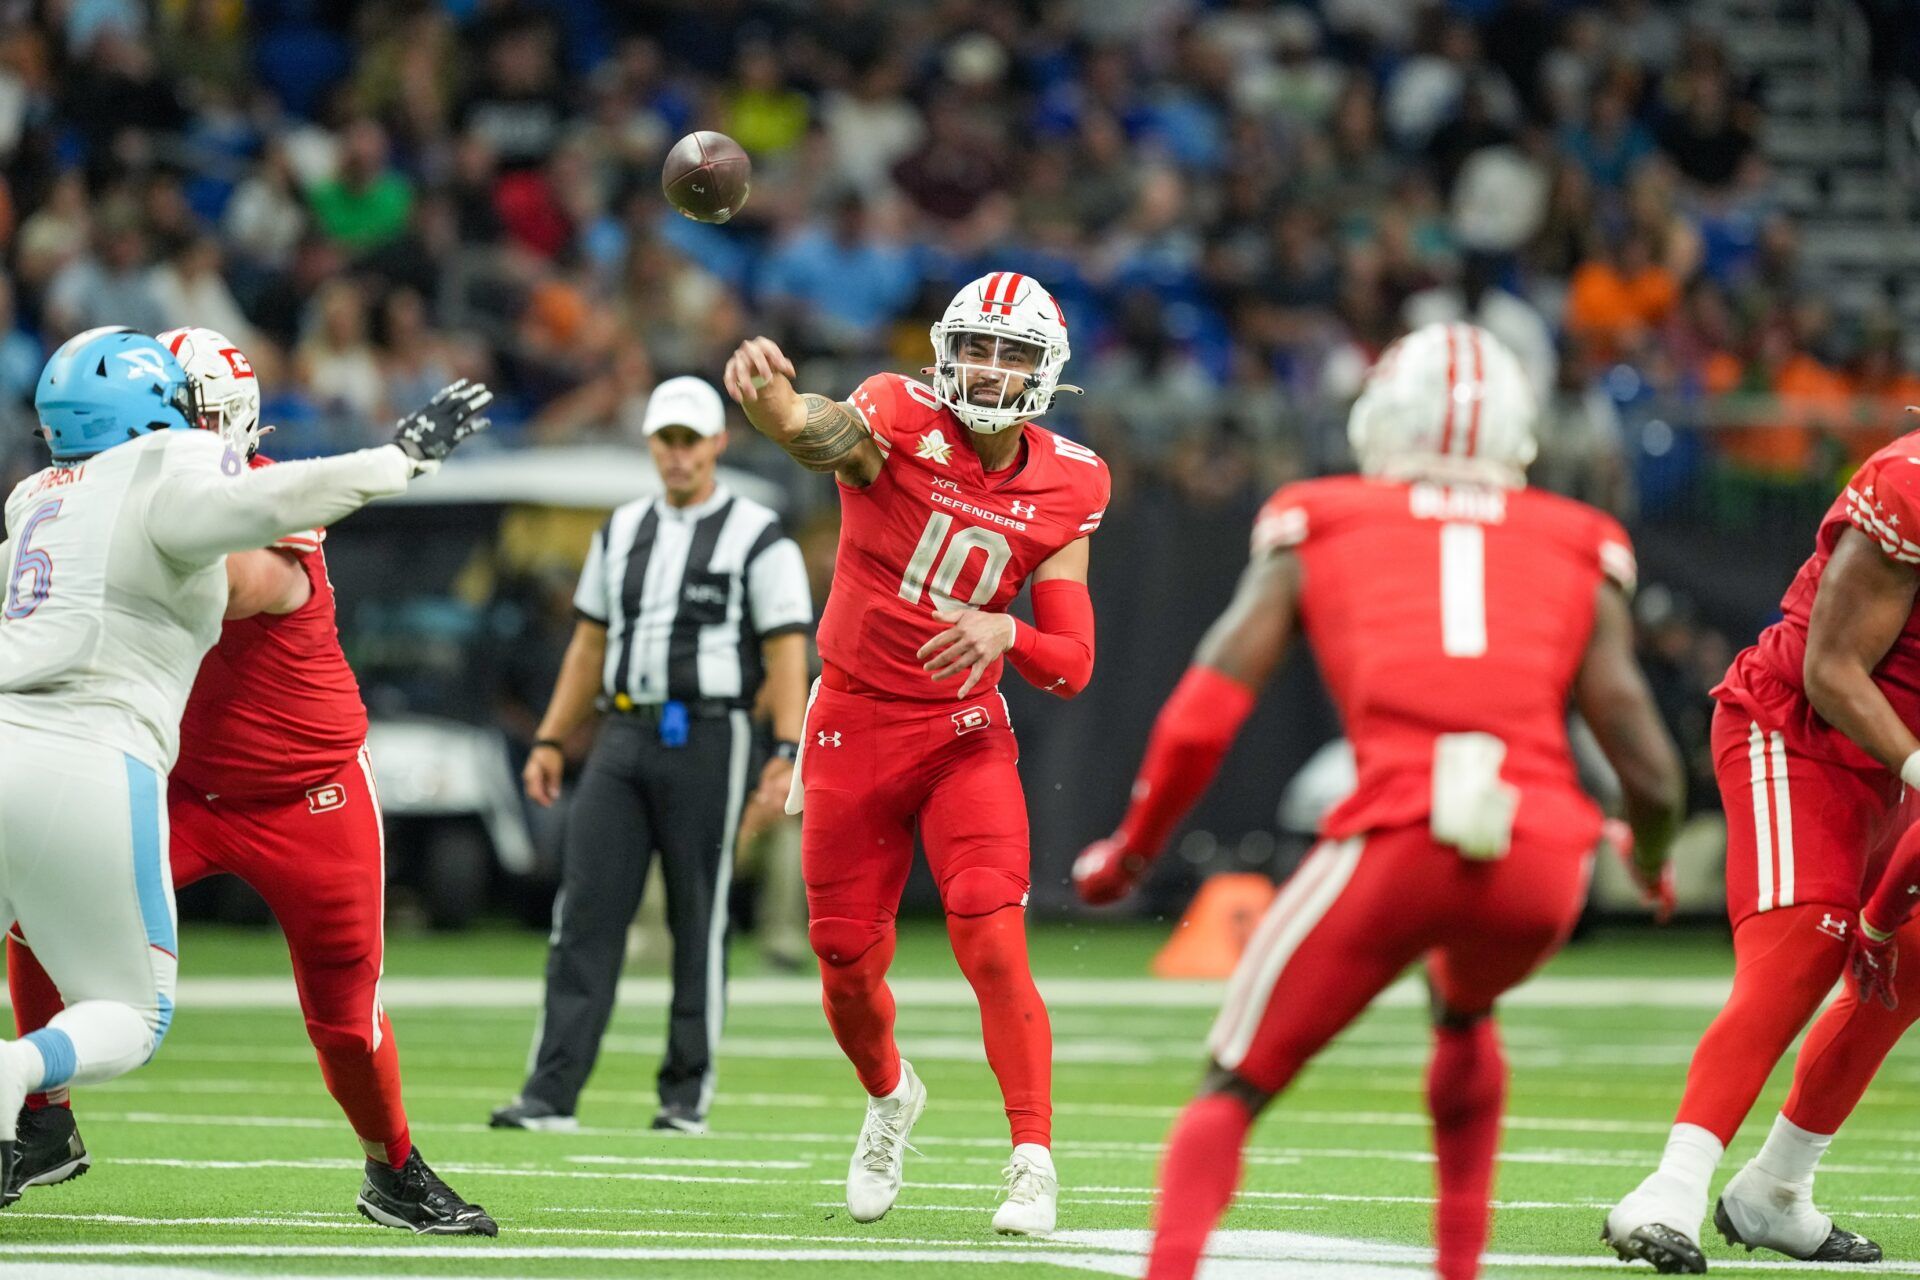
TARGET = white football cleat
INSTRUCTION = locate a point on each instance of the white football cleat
(1762, 1211)
(1658, 1223)
(874, 1174)
(1032, 1193)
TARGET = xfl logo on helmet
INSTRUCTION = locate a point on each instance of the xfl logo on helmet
(971, 718)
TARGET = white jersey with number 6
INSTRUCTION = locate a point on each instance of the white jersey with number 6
(115, 576)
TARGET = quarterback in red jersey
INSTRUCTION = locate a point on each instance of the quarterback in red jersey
(273, 784)
(951, 499)
(1454, 613)
(1814, 741)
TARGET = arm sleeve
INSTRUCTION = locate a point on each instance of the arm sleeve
(1055, 654)
(1893, 902)
(590, 597)
(1282, 522)
(1617, 561)
(1191, 737)
(779, 598)
(198, 514)
(1883, 502)
(877, 401)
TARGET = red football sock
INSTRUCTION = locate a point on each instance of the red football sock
(1197, 1179)
(859, 1007)
(1466, 1093)
(1848, 1043)
(992, 951)
(35, 1001)
(367, 1087)
(1784, 966)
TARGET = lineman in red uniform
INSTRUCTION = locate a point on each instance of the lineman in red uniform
(273, 784)
(951, 498)
(1453, 612)
(1813, 741)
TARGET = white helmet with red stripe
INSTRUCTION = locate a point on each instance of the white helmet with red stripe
(224, 379)
(1445, 402)
(998, 352)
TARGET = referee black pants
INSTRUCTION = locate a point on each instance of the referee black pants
(635, 797)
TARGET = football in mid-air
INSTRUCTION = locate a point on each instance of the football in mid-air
(706, 176)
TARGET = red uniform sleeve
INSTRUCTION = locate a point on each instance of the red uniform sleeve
(1190, 739)
(1899, 892)
(1283, 522)
(1615, 549)
(1883, 502)
(1055, 654)
(892, 406)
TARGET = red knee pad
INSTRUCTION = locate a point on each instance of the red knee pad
(981, 891)
(842, 942)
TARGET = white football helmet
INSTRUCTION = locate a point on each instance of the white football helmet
(223, 376)
(1008, 317)
(1445, 402)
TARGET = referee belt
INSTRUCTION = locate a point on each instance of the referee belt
(698, 708)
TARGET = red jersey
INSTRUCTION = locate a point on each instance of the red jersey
(1438, 610)
(1883, 502)
(936, 531)
(275, 709)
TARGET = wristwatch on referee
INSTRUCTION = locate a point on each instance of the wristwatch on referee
(555, 743)
(785, 750)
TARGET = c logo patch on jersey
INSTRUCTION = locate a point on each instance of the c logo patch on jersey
(968, 719)
(326, 797)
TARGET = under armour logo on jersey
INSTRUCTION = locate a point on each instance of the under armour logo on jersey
(143, 363)
(970, 718)
(326, 798)
(826, 739)
(934, 447)
(1024, 509)
(1833, 926)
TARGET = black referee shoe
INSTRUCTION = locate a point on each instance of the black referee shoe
(47, 1151)
(679, 1118)
(414, 1197)
(531, 1113)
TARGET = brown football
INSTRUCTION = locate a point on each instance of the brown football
(706, 176)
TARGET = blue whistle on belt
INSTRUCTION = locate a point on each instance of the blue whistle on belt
(673, 724)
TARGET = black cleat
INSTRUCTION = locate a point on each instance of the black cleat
(531, 1113)
(414, 1197)
(47, 1151)
(677, 1118)
(1670, 1252)
(8, 1196)
(1839, 1246)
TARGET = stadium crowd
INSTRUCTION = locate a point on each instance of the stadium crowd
(1238, 204)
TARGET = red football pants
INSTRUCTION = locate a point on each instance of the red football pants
(319, 861)
(1355, 915)
(874, 771)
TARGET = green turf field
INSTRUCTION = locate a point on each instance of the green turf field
(226, 1155)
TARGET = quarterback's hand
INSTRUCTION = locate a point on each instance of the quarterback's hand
(541, 776)
(1873, 962)
(429, 433)
(1106, 871)
(759, 378)
(1656, 886)
(971, 643)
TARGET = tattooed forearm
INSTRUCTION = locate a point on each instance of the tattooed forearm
(830, 435)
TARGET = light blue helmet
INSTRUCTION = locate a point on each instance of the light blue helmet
(107, 386)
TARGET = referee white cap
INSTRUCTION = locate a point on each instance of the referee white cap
(685, 402)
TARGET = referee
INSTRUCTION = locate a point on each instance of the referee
(689, 603)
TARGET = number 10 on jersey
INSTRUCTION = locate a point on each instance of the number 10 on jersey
(914, 582)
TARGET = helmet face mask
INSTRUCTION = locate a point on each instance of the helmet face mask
(998, 352)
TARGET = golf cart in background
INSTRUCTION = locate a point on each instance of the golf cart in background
(455, 609)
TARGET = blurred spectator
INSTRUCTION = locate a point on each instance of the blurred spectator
(1705, 140)
(957, 167)
(516, 107)
(1614, 301)
(109, 285)
(765, 114)
(365, 205)
(265, 218)
(335, 362)
(843, 284)
(189, 289)
(415, 362)
(20, 355)
(872, 126)
(1609, 142)
(1478, 299)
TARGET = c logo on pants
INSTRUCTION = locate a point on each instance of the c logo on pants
(326, 798)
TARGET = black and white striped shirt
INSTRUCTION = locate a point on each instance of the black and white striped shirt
(688, 593)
